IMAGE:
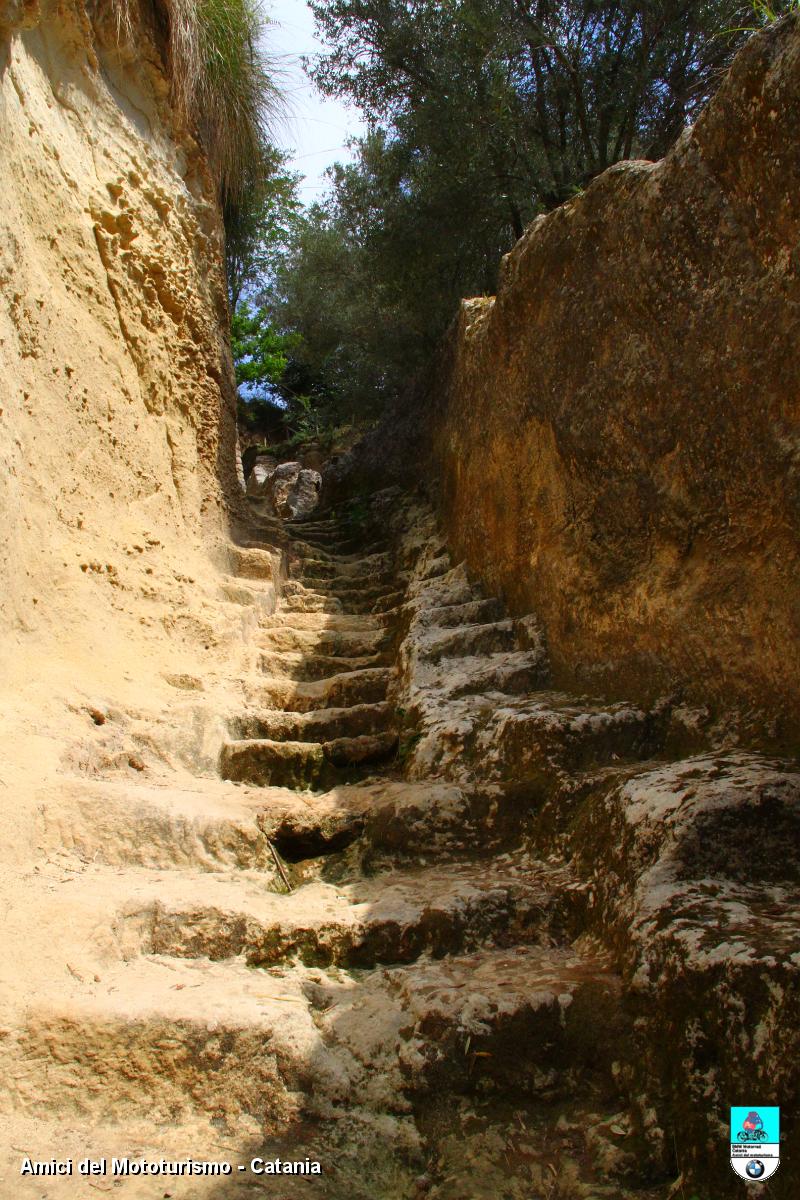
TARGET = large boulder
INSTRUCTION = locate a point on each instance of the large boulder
(290, 489)
(260, 473)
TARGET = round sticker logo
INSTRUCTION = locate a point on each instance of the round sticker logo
(755, 1141)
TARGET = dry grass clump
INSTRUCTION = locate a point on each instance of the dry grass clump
(223, 80)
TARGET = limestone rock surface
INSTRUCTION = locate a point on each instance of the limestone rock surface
(617, 431)
(261, 471)
(117, 434)
(306, 847)
(290, 489)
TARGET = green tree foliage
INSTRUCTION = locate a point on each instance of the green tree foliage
(549, 92)
(482, 113)
(260, 356)
(376, 271)
(258, 227)
(353, 329)
(259, 352)
(766, 12)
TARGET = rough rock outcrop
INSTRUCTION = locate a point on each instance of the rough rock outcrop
(289, 489)
(262, 468)
(122, 599)
(695, 879)
(328, 873)
(371, 929)
(686, 861)
(118, 430)
(313, 956)
(618, 430)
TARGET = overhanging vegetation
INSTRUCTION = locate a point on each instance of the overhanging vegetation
(223, 81)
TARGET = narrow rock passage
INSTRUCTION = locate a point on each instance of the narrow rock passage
(372, 943)
(343, 950)
(491, 1018)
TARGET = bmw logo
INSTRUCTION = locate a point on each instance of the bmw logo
(755, 1168)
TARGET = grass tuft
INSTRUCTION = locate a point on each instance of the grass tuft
(223, 80)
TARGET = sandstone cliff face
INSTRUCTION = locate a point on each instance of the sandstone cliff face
(117, 401)
(116, 392)
(117, 396)
(618, 431)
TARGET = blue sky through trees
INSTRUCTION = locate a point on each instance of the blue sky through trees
(316, 129)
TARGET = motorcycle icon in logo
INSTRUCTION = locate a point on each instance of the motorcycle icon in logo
(755, 1141)
(752, 1129)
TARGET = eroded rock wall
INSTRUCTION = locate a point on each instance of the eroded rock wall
(117, 429)
(618, 431)
(117, 398)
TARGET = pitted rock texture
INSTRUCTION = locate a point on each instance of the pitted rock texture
(313, 853)
(694, 875)
(118, 402)
(385, 898)
(331, 944)
(288, 489)
(685, 853)
(616, 431)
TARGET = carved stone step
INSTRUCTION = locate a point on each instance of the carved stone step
(306, 550)
(298, 599)
(169, 1040)
(390, 818)
(218, 825)
(338, 643)
(362, 599)
(536, 739)
(369, 685)
(452, 588)
(535, 1021)
(393, 918)
(207, 825)
(313, 570)
(467, 640)
(369, 586)
(448, 616)
(320, 725)
(513, 673)
(389, 603)
(337, 566)
(305, 667)
(172, 1038)
(531, 745)
(313, 524)
(304, 764)
(338, 622)
(344, 545)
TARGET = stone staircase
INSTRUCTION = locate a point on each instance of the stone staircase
(370, 945)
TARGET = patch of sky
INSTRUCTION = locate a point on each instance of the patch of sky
(316, 129)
